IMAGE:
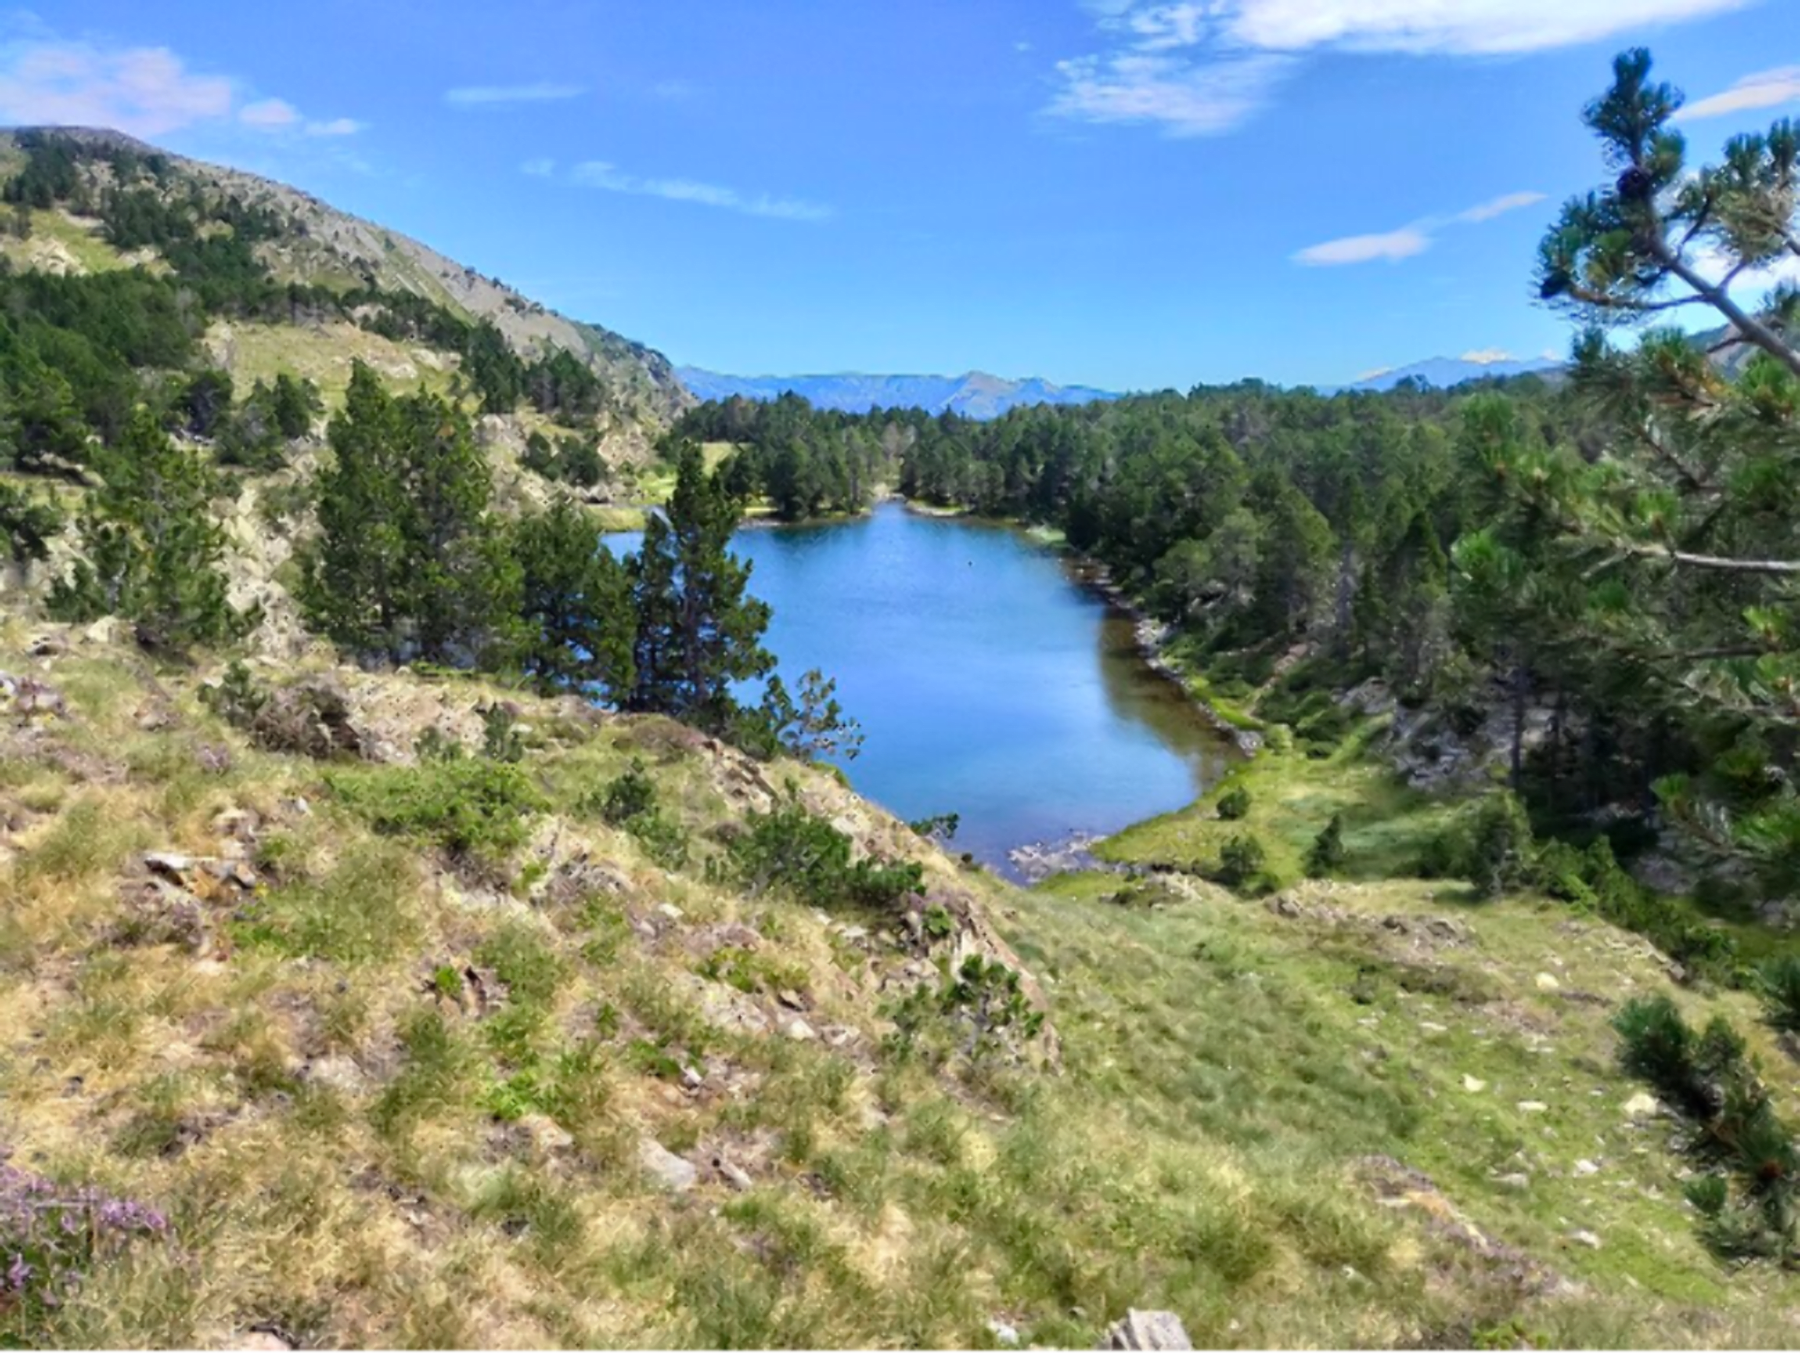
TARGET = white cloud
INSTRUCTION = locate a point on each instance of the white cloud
(1456, 27)
(1410, 240)
(1508, 202)
(601, 174)
(1183, 97)
(542, 91)
(269, 113)
(1204, 66)
(1392, 246)
(1487, 356)
(146, 91)
(1714, 264)
(541, 168)
(1765, 89)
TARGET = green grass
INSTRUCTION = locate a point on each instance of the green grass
(56, 231)
(353, 1136)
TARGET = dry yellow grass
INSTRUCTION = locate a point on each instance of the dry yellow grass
(359, 1144)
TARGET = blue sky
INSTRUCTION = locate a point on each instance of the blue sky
(1124, 194)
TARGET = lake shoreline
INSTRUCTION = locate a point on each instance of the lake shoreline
(1152, 637)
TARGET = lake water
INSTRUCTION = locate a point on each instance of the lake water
(988, 680)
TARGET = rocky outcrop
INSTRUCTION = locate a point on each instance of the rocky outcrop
(1148, 1330)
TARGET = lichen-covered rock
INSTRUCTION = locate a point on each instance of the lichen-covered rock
(1148, 1330)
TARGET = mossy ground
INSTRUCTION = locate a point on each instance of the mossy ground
(358, 1149)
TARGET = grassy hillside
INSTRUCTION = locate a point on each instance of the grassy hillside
(426, 1053)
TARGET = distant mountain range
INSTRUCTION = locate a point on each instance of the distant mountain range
(974, 394)
(1444, 372)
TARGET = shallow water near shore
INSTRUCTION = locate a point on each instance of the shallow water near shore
(989, 680)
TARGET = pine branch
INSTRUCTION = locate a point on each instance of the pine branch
(1715, 296)
(1775, 567)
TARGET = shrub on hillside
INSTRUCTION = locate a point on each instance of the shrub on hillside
(1326, 855)
(796, 850)
(1749, 1193)
(630, 801)
(472, 807)
(1234, 803)
(1779, 982)
(1241, 862)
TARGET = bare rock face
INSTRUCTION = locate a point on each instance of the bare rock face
(1148, 1330)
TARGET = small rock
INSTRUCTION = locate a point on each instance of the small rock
(670, 911)
(261, 1340)
(548, 1138)
(1583, 1237)
(854, 933)
(1432, 1027)
(1547, 983)
(1148, 1330)
(668, 1170)
(1586, 1167)
(1532, 1107)
(338, 1073)
(1515, 1180)
(734, 1175)
(1002, 1332)
(692, 1079)
(1642, 1106)
(790, 999)
(798, 1030)
(1473, 1084)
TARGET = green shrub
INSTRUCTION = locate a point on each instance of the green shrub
(1234, 803)
(1326, 855)
(1500, 847)
(626, 796)
(1241, 861)
(1779, 984)
(1749, 1200)
(237, 697)
(792, 848)
(980, 1013)
(630, 801)
(500, 738)
(472, 808)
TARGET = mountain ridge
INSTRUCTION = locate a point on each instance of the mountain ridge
(329, 246)
(976, 394)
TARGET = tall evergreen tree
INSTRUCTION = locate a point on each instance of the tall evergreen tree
(579, 629)
(355, 581)
(698, 629)
(151, 549)
(407, 561)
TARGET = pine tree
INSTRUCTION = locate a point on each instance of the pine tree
(151, 549)
(355, 584)
(1680, 530)
(462, 592)
(698, 629)
(579, 629)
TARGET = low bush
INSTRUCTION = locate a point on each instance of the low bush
(792, 848)
(1326, 855)
(1749, 1192)
(1241, 862)
(1234, 804)
(470, 807)
(630, 801)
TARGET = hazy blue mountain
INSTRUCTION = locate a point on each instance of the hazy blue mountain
(974, 394)
(1444, 372)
